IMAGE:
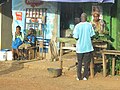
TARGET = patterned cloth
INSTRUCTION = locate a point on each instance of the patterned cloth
(99, 26)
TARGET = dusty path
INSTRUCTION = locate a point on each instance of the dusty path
(16, 75)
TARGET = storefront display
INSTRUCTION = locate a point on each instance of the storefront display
(35, 18)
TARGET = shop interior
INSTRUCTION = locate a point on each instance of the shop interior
(69, 17)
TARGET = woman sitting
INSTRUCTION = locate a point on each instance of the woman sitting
(17, 41)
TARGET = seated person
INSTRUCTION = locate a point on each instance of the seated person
(29, 41)
(17, 41)
(99, 25)
(30, 38)
(102, 34)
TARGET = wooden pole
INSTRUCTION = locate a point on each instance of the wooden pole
(104, 65)
(113, 66)
(61, 61)
(92, 68)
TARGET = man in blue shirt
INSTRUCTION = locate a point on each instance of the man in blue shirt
(29, 41)
(30, 38)
(83, 32)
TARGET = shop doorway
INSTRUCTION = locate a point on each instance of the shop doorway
(36, 19)
(69, 17)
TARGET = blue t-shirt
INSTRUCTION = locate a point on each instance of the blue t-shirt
(83, 31)
(32, 40)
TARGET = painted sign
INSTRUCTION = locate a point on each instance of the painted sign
(33, 3)
(18, 20)
(19, 16)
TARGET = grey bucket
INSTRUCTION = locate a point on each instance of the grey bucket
(54, 72)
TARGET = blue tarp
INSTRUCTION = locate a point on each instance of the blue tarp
(102, 1)
(21, 3)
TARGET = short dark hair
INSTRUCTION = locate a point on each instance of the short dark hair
(84, 15)
(31, 29)
(18, 27)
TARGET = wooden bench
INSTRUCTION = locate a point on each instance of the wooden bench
(109, 52)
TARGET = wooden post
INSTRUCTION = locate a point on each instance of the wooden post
(113, 66)
(54, 54)
(42, 46)
(92, 68)
(38, 53)
(104, 65)
(61, 61)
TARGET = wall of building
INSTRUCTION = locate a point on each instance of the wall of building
(6, 26)
(118, 25)
(52, 12)
(0, 24)
(115, 24)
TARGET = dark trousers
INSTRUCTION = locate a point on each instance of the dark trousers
(86, 58)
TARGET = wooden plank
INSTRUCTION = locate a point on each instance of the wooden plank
(70, 48)
(100, 46)
(110, 51)
(67, 40)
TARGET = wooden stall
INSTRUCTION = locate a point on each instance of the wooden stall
(97, 54)
(109, 52)
(72, 41)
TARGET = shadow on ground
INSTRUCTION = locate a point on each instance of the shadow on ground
(15, 66)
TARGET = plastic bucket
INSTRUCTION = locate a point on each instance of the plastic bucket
(9, 55)
(3, 56)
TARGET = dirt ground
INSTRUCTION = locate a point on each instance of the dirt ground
(33, 75)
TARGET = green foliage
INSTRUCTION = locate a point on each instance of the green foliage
(117, 66)
(105, 37)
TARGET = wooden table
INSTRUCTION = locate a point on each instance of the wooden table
(72, 41)
(109, 52)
